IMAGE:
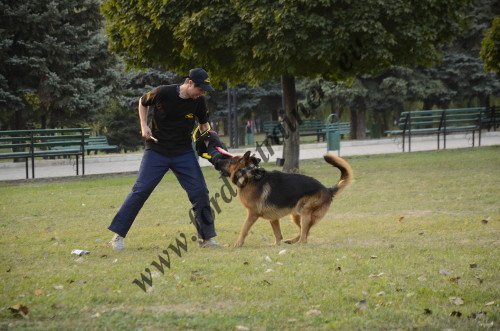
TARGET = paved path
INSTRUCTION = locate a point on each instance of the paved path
(125, 163)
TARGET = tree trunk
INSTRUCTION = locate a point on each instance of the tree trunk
(291, 139)
(358, 124)
(428, 103)
(484, 100)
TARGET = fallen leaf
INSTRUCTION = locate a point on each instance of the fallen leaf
(269, 270)
(196, 275)
(268, 259)
(38, 292)
(58, 287)
(491, 303)
(103, 256)
(374, 276)
(473, 265)
(422, 278)
(237, 289)
(242, 328)
(96, 315)
(484, 221)
(456, 314)
(456, 301)
(282, 252)
(339, 268)
(265, 282)
(427, 311)
(58, 306)
(401, 219)
(453, 280)
(381, 293)
(8, 269)
(373, 257)
(19, 310)
(480, 280)
(246, 263)
(313, 312)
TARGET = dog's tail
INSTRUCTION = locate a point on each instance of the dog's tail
(346, 174)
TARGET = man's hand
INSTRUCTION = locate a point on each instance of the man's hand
(210, 147)
(147, 134)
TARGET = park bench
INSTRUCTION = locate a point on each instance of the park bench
(440, 122)
(97, 143)
(274, 129)
(29, 144)
(342, 128)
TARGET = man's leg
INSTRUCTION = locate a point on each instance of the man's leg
(153, 168)
(188, 172)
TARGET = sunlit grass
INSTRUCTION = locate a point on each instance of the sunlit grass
(412, 231)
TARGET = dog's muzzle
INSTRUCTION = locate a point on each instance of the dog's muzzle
(221, 166)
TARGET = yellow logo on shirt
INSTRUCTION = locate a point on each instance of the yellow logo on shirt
(189, 116)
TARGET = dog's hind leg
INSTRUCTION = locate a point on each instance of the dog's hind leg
(277, 231)
(306, 222)
(296, 220)
(251, 218)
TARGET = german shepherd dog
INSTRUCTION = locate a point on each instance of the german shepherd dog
(272, 195)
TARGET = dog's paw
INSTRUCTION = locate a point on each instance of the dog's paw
(291, 241)
(238, 244)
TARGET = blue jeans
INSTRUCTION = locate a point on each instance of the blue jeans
(153, 167)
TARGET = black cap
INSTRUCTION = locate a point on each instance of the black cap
(200, 78)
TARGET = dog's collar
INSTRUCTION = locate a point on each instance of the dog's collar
(250, 172)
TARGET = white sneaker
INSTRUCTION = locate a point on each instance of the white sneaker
(210, 243)
(117, 243)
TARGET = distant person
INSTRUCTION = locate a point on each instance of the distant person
(168, 145)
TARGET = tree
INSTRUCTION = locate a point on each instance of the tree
(53, 62)
(490, 49)
(251, 41)
(461, 71)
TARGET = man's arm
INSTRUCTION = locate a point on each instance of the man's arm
(143, 117)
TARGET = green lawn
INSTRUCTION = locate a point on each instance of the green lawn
(411, 244)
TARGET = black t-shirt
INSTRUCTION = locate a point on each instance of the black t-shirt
(173, 119)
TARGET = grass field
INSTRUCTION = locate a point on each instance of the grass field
(411, 244)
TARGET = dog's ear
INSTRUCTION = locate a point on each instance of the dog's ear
(246, 156)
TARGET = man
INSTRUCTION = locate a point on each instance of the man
(169, 146)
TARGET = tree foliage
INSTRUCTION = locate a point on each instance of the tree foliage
(251, 41)
(54, 63)
(490, 50)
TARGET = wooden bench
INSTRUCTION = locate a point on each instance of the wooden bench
(440, 122)
(274, 130)
(28, 144)
(342, 128)
(97, 143)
